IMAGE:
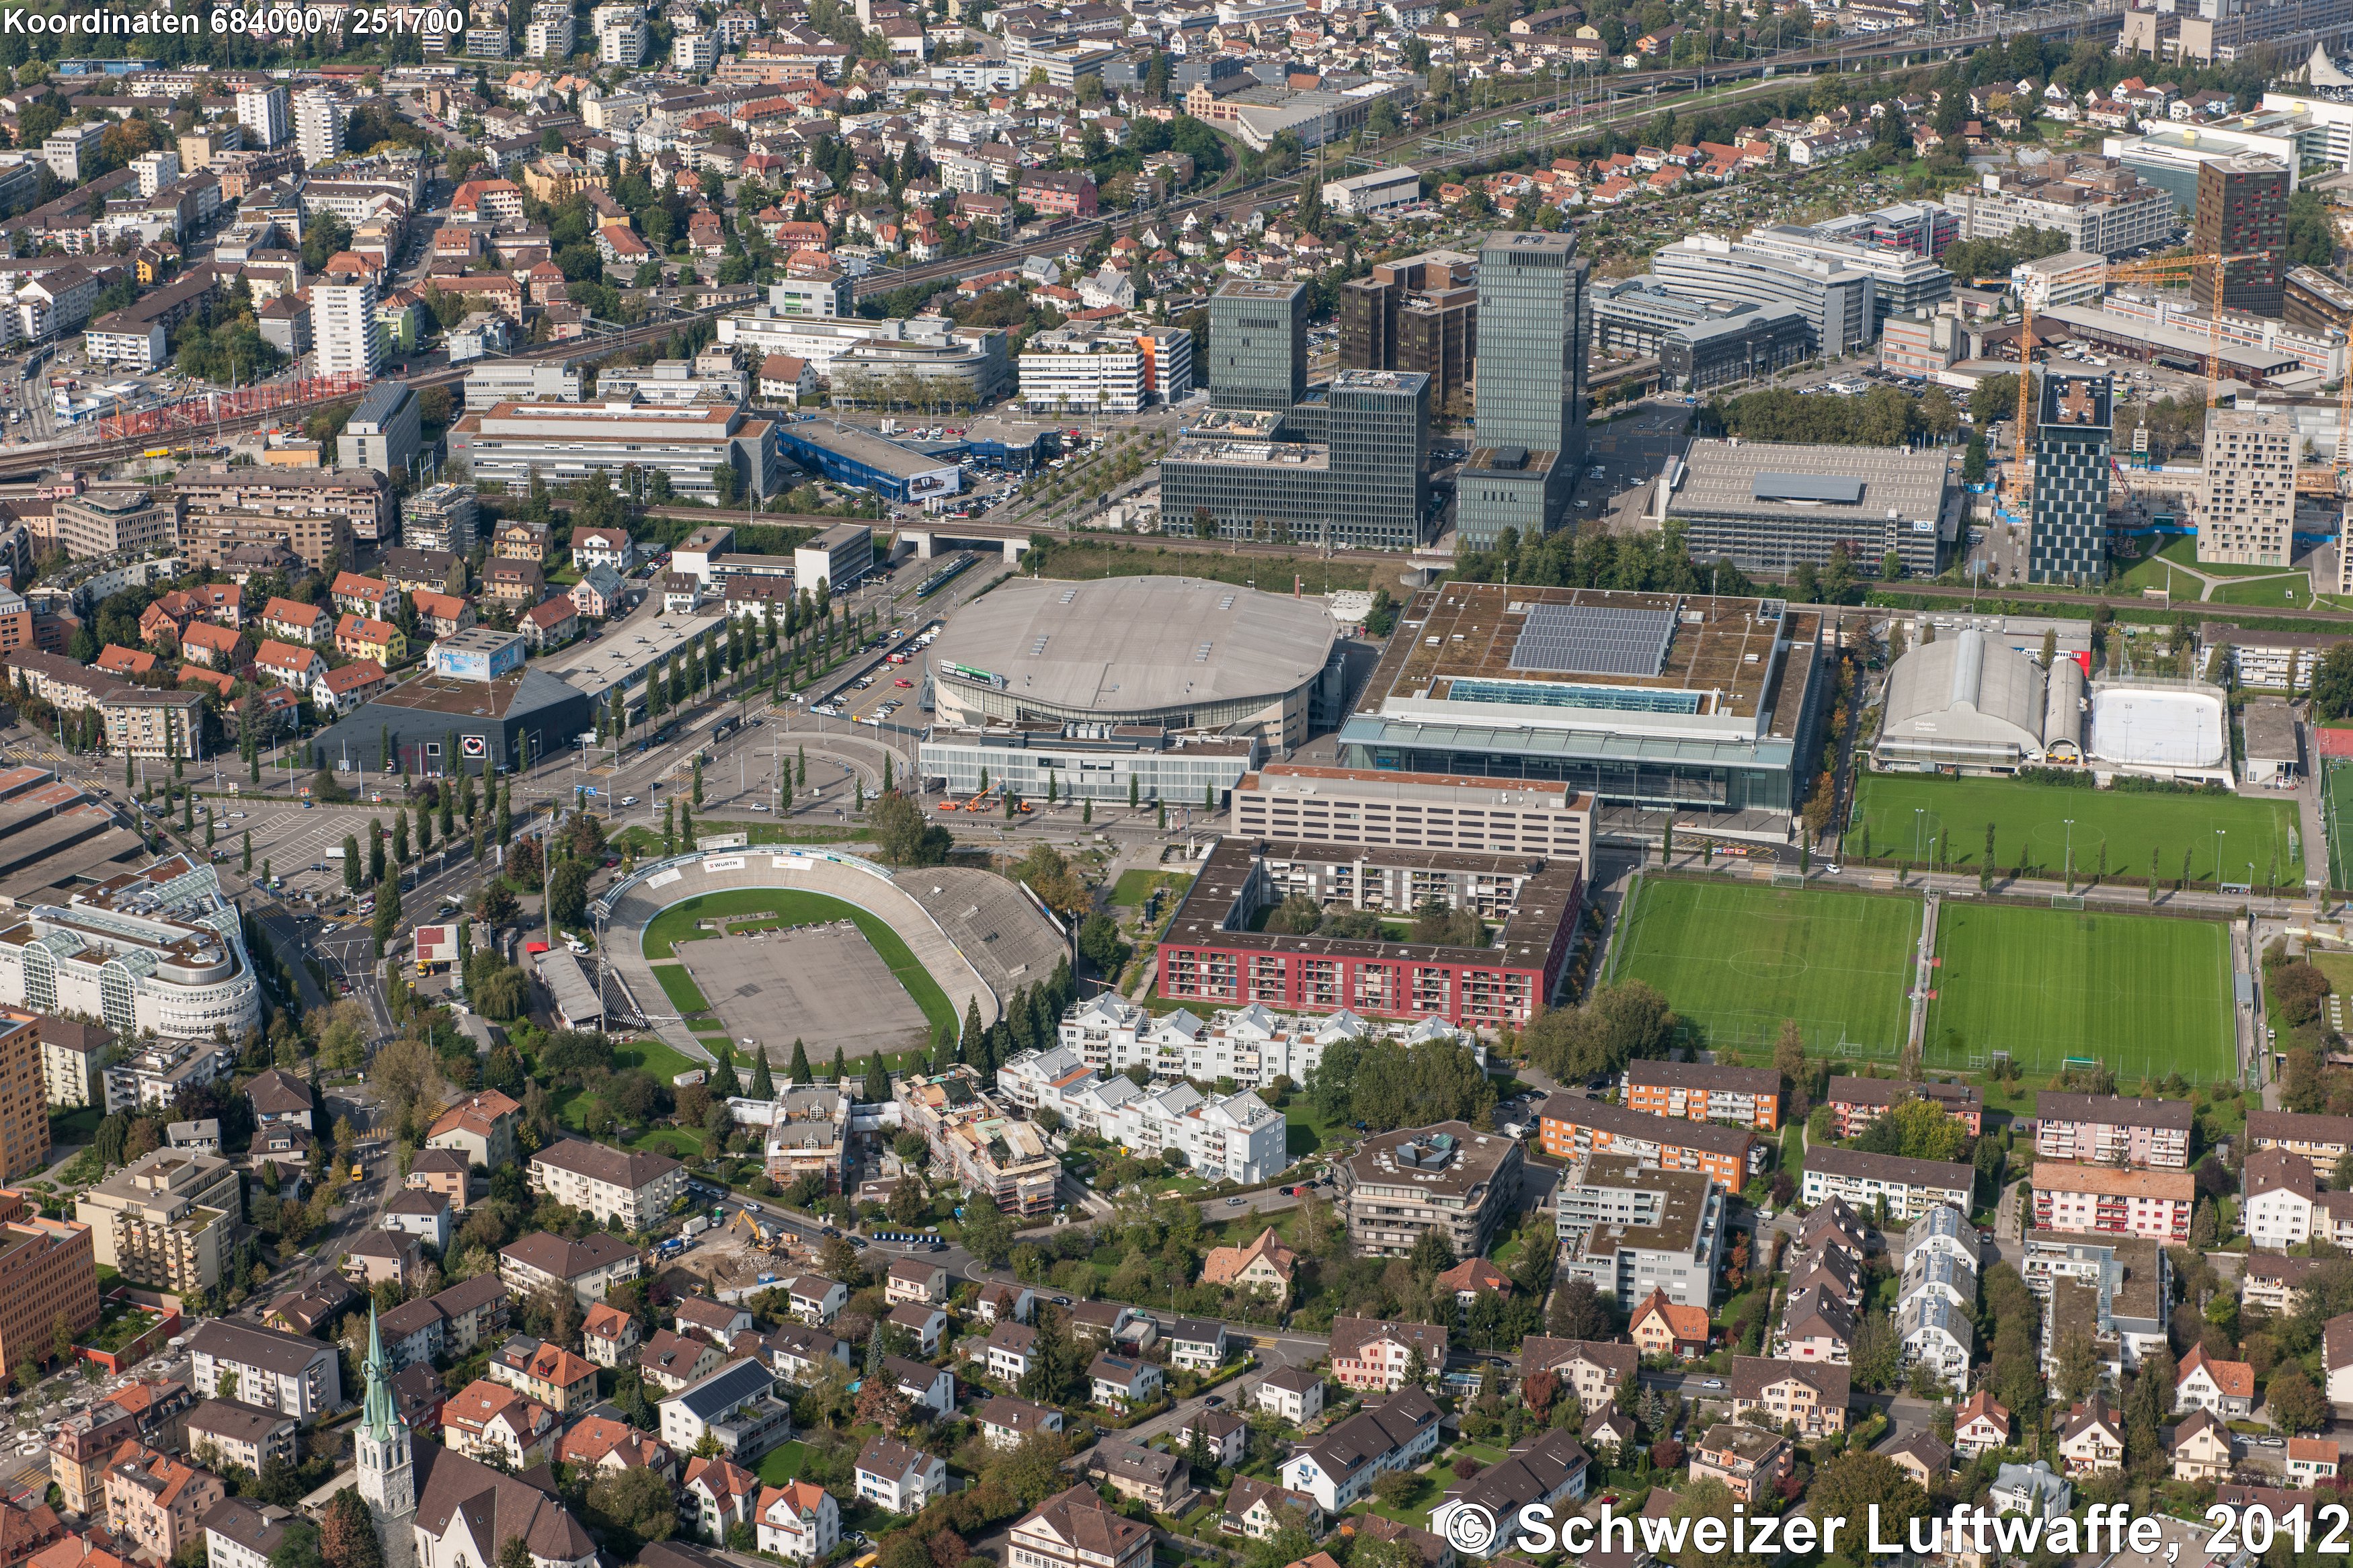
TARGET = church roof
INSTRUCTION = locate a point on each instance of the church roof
(494, 1507)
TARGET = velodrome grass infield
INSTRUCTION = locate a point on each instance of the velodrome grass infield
(2145, 994)
(790, 906)
(1736, 959)
(2030, 828)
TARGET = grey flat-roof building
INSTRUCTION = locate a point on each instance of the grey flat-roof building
(383, 432)
(1708, 704)
(1258, 345)
(1767, 507)
(1841, 301)
(1631, 1230)
(1536, 323)
(1183, 770)
(1702, 355)
(1164, 653)
(1361, 477)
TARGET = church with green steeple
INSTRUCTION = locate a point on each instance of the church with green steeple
(387, 1464)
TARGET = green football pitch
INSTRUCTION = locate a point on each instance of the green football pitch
(1736, 959)
(1905, 814)
(2339, 803)
(2143, 994)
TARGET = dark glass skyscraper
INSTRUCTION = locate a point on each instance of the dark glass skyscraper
(1258, 345)
(1535, 323)
(2068, 541)
(2241, 211)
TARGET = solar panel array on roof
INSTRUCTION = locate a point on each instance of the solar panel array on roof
(1840, 488)
(1594, 639)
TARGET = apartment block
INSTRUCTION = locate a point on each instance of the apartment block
(2323, 1139)
(1446, 1177)
(1430, 811)
(608, 1182)
(1572, 1127)
(1633, 1228)
(51, 1269)
(1909, 1186)
(2109, 1130)
(2086, 1199)
(165, 1221)
(2247, 509)
(1703, 1091)
(1856, 1102)
(313, 512)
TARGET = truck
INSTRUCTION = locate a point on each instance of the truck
(698, 1225)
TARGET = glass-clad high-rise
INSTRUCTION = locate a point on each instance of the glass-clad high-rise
(1535, 323)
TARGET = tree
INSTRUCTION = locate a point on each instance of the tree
(1617, 1023)
(637, 1500)
(799, 1072)
(1790, 1061)
(876, 1090)
(1577, 1311)
(763, 1086)
(1851, 1484)
(987, 1233)
(567, 893)
(903, 836)
(351, 862)
(2295, 1404)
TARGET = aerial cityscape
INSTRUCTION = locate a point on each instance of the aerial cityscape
(1509, 785)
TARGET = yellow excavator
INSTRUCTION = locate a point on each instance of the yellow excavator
(760, 1235)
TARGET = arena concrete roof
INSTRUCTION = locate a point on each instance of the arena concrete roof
(1747, 479)
(1126, 644)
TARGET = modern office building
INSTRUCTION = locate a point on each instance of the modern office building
(2316, 300)
(1088, 762)
(853, 455)
(968, 364)
(1902, 279)
(1535, 329)
(382, 433)
(563, 443)
(2226, 30)
(1083, 372)
(343, 328)
(1418, 314)
(1258, 346)
(1839, 300)
(1415, 811)
(2067, 539)
(1363, 481)
(2242, 212)
(840, 558)
(2246, 514)
(158, 951)
(1711, 707)
(2096, 202)
(1742, 345)
(1767, 507)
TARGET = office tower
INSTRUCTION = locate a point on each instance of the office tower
(1535, 323)
(2241, 211)
(1380, 457)
(343, 321)
(1418, 314)
(1258, 345)
(2068, 537)
(2248, 510)
(262, 112)
(319, 120)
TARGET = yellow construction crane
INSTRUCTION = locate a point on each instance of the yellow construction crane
(2337, 478)
(2165, 268)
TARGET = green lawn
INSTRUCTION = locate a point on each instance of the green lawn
(2030, 828)
(665, 1063)
(1306, 1132)
(1135, 883)
(2338, 808)
(2145, 994)
(2284, 589)
(70, 1128)
(791, 907)
(782, 1465)
(680, 987)
(1736, 959)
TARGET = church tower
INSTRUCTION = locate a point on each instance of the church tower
(388, 1471)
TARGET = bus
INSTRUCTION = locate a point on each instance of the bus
(945, 575)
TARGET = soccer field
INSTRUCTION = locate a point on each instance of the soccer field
(2143, 995)
(1903, 812)
(1736, 959)
(2340, 815)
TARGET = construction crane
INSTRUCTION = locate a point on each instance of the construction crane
(2336, 480)
(2163, 268)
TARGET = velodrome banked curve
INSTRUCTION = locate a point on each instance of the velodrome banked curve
(630, 904)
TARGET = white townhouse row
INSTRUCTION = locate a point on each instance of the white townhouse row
(1237, 1137)
(1253, 1045)
(1938, 1292)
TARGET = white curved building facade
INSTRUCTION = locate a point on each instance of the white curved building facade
(160, 951)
